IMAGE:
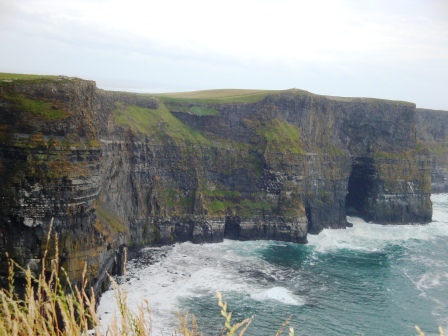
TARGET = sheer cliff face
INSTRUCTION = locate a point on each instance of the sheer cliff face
(432, 130)
(118, 168)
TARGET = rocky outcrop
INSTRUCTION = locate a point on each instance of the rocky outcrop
(432, 127)
(115, 169)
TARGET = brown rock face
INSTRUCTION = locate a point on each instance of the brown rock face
(115, 169)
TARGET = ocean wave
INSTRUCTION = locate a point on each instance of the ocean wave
(372, 237)
(279, 294)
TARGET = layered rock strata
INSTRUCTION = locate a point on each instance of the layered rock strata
(114, 169)
(432, 131)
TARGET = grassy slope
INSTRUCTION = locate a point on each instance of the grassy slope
(38, 108)
(12, 79)
(281, 136)
(157, 122)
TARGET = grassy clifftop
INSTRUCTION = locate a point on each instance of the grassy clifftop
(7, 78)
(219, 95)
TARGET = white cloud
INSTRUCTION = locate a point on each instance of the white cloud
(307, 39)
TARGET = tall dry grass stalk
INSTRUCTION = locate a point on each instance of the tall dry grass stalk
(47, 307)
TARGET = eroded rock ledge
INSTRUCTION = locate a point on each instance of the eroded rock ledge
(117, 169)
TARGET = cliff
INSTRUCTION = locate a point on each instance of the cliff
(119, 168)
(432, 130)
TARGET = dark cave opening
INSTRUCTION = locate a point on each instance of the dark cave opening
(360, 185)
(232, 228)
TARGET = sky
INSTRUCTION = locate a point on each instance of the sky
(391, 49)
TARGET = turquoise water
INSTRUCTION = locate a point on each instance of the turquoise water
(366, 280)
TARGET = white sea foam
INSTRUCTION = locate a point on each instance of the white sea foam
(440, 208)
(432, 280)
(373, 237)
(189, 271)
(279, 294)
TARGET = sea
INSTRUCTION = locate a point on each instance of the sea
(366, 280)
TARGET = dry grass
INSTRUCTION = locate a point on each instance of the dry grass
(46, 308)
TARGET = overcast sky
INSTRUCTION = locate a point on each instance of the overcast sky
(394, 49)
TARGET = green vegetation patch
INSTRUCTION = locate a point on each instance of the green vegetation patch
(187, 106)
(171, 197)
(109, 219)
(218, 96)
(439, 149)
(12, 78)
(332, 149)
(176, 201)
(405, 155)
(217, 207)
(201, 110)
(281, 136)
(37, 107)
(207, 102)
(246, 207)
(95, 144)
(249, 206)
(222, 193)
(158, 123)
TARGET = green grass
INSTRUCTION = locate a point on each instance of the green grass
(202, 104)
(281, 136)
(252, 206)
(171, 197)
(335, 150)
(201, 110)
(38, 108)
(222, 193)
(244, 208)
(95, 143)
(7, 79)
(372, 101)
(438, 149)
(404, 155)
(206, 102)
(241, 95)
(217, 207)
(387, 155)
(43, 109)
(158, 123)
(14, 76)
(108, 218)
(216, 202)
